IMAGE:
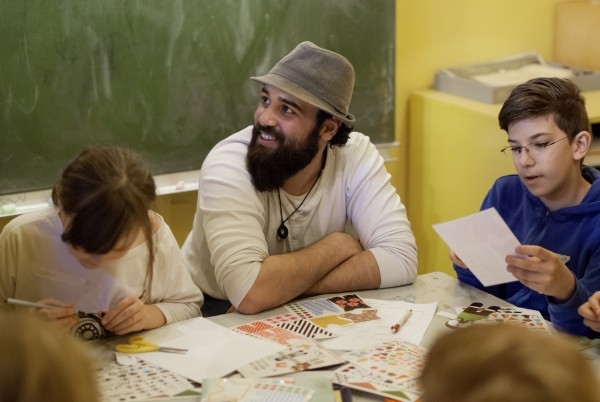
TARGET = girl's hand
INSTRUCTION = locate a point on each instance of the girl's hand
(131, 315)
(64, 317)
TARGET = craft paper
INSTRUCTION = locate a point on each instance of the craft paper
(477, 314)
(371, 333)
(253, 390)
(140, 381)
(301, 355)
(391, 369)
(318, 383)
(213, 350)
(281, 328)
(482, 241)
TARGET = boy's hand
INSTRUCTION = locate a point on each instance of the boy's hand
(542, 270)
(590, 311)
(64, 317)
(454, 258)
(131, 315)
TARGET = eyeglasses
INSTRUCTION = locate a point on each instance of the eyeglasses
(534, 149)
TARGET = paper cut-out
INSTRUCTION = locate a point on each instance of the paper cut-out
(469, 315)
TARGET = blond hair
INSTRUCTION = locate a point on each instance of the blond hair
(41, 363)
(498, 363)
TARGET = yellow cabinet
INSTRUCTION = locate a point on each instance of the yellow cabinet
(453, 159)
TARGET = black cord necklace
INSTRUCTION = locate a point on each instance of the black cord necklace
(282, 230)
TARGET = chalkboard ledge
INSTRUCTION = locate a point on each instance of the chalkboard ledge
(169, 183)
(20, 203)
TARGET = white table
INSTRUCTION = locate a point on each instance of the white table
(438, 287)
(433, 287)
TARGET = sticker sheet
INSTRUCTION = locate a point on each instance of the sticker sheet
(531, 319)
(253, 390)
(475, 313)
(140, 381)
(370, 333)
(390, 369)
(284, 327)
(301, 355)
(338, 310)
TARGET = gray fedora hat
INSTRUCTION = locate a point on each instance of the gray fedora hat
(317, 76)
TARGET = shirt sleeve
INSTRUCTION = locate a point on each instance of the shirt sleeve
(378, 215)
(173, 290)
(233, 219)
(564, 315)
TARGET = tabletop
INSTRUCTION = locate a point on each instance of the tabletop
(438, 287)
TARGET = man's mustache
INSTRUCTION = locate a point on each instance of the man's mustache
(270, 131)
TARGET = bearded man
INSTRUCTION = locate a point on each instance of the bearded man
(297, 204)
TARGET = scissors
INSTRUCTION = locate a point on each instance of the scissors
(137, 344)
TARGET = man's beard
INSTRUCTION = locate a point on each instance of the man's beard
(270, 168)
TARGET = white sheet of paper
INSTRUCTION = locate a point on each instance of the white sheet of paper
(213, 350)
(372, 333)
(482, 241)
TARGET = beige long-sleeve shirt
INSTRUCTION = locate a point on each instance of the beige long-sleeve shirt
(35, 264)
(235, 227)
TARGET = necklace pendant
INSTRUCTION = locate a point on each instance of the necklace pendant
(282, 232)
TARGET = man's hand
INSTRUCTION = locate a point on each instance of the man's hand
(542, 270)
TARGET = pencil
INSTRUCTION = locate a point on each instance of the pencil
(396, 327)
(26, 303)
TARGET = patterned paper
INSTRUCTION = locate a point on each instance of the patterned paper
(476, 313)
(390, 369)
(301, 355)
(284, 327)
(252, 390)
(140, 381)
(530, 319)
(338, 310)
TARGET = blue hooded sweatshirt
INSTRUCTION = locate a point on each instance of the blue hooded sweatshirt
(573, 232)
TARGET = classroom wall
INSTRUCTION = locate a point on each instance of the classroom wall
(434, 34)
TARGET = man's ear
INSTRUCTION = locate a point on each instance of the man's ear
(581, 144)
(330, 128)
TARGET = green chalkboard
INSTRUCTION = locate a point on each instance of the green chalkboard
(169, 78)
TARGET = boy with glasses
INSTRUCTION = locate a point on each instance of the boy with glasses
(552, 204)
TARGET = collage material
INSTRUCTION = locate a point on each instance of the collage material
(370, 333)
(280, 328)
(338, 310)
(476, 313)
(390, 369)
(213, 350)
(253, 390)
(301, 355)
(140, 381)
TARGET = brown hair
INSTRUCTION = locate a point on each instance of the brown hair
(107, 191)
(343, 133)
(41, 363)
(558, 97)
(497, 363)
